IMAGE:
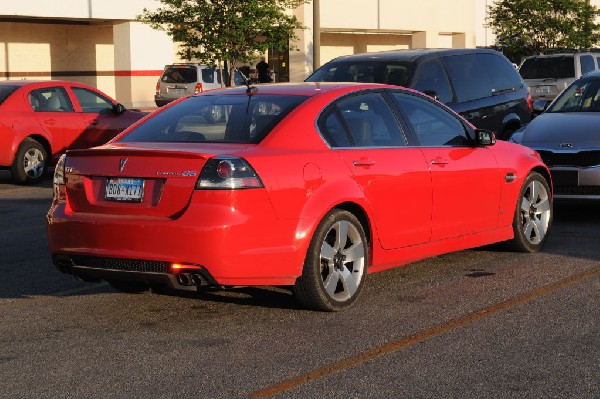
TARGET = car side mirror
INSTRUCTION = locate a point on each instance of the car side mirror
(484, 138)
(118, 109)
(539, 106)
(432, 94)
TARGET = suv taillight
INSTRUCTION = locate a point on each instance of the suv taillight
(158, 87)
(529, 101)
(198, 88)
(227, 173)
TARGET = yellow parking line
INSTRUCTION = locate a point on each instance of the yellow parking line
(418, 337)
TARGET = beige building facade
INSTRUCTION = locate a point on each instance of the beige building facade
(99, 42)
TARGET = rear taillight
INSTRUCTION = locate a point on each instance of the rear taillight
(59, 180)
(227, 173)
(529, 101)
(198, 88)
(158, 87)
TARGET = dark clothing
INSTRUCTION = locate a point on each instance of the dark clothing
(263, 72)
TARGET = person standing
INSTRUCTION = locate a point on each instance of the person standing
(264, 75)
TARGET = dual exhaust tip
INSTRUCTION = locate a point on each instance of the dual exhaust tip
(189, 279)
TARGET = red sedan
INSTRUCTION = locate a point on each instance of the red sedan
(40, 120)
(309, 185)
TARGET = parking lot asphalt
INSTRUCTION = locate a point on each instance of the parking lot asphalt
(478, 323)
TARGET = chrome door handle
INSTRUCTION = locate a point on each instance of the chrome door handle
(439, 161)
(363, 163)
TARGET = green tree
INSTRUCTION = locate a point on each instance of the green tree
(214, 31)
(526, 27)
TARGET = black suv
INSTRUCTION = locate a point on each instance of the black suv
(480, 84)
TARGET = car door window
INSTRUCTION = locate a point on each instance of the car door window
(433, 126)
(50, 99)
(363, 120)
(587, 64)
(91, 102)
(469, 77)
(502, 74)
(432, 78)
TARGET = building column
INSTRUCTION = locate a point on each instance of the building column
(424, 39)
(140, 56)
(301, 60)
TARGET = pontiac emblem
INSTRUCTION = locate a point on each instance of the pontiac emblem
(122, 164)
(566, 145)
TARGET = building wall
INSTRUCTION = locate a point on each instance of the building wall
(98, 41)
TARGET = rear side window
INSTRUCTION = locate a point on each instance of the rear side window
(180, 74)
(469, 77)
(559, 67)
(502, 73)
(363, 120)
(432, 78)
(6, 91)
(397, 73)
(50, 99)
(216, 119)
(587, 64)
(208, 75)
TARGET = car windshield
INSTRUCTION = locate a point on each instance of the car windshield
(560, 67)
(391, 72)
(243, 118)
(180, 74)
(581, 96)
(6, 91)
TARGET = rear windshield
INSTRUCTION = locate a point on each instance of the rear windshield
(391, 72)
(562, 67)
(216, 119)
(6, 91)
(180, 74)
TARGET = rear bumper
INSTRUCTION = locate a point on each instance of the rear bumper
(240, 243)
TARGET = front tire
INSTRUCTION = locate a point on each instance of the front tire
(533, 215)
(31, 161)
(336, 264)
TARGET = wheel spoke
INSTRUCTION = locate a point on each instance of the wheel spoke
(525, 205)
(331, 283)
(348, 281)
(533, 191)
(327, 251)
(529, 226)
(540, 228)
(355, 252)
(341, 229)
(543, 206)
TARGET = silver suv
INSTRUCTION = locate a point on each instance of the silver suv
(180, 80)
(548, 75)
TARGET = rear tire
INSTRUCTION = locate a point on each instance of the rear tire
(31, 161)
(336, 264)
(533, 215)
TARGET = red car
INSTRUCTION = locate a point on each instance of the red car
(40, 120)
(306, 185)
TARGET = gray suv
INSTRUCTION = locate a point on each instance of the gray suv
(548, 75)
(180, 80)
(480, 84)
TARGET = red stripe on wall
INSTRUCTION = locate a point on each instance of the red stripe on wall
(156, 72)
(61, 74)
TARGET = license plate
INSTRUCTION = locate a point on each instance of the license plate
(124, 189)
(175, 91)
(542, 90)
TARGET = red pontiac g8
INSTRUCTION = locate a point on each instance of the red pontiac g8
(310, 185)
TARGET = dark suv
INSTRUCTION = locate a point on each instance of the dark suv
(480, 84)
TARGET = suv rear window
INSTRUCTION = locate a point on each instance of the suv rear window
(242, 119)
(395, 73)
(6, 91)
(180, 74)
(548, 67)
